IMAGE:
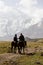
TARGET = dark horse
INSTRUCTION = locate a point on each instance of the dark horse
(13, 45)
(20, 45)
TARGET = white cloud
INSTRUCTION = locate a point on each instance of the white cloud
(29, 7)
(18, 17)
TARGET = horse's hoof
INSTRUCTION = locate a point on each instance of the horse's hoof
(14, 52)
(19, 52)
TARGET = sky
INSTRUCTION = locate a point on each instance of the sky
(17, 15)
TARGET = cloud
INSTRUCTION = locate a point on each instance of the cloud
(30, 7)
(16, 15)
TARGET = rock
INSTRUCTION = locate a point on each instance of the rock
(41, 53)
(30, 53)
(38, 62)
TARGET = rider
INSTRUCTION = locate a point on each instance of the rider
(15, 41)
(15, 38)
(21, 42)
(21, 37)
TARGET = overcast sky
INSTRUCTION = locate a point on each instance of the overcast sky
(16, 15)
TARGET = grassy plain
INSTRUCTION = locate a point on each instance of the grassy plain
(35, 59)
(4, 45)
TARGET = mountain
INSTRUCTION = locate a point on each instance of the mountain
(32, 40)
(6, 38)
(34, 31)
(27, 39)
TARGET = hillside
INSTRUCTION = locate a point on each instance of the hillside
(34, 31)
(34, 40)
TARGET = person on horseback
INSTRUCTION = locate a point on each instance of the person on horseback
(21, 37)
(21, 42)
(15, 42)
(15, 38)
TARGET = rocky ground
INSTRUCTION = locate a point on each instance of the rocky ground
(10, 58)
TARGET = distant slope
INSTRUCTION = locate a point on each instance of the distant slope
(34, 40)
(34, 31)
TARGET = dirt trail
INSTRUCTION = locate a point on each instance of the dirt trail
(8, 56)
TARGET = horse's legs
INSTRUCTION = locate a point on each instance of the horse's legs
(14, 49)
(19, 50)
(23, 50)
(11, 48)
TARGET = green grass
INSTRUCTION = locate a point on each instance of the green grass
(4, 46)
(25, 59)
(30, 60)
(34, 44)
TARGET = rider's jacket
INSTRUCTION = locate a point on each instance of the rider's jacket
(15, 39)
(21, 38)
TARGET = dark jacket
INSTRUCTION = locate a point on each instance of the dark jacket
(15, 39)
(21, 38)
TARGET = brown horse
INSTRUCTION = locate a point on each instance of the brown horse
(13, 45)
(21, 45)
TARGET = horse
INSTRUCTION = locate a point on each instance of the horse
(20, 45)
(13, 45)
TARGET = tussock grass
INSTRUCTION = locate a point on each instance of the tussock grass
(4, 45)
(34, 44)
(25, 59)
